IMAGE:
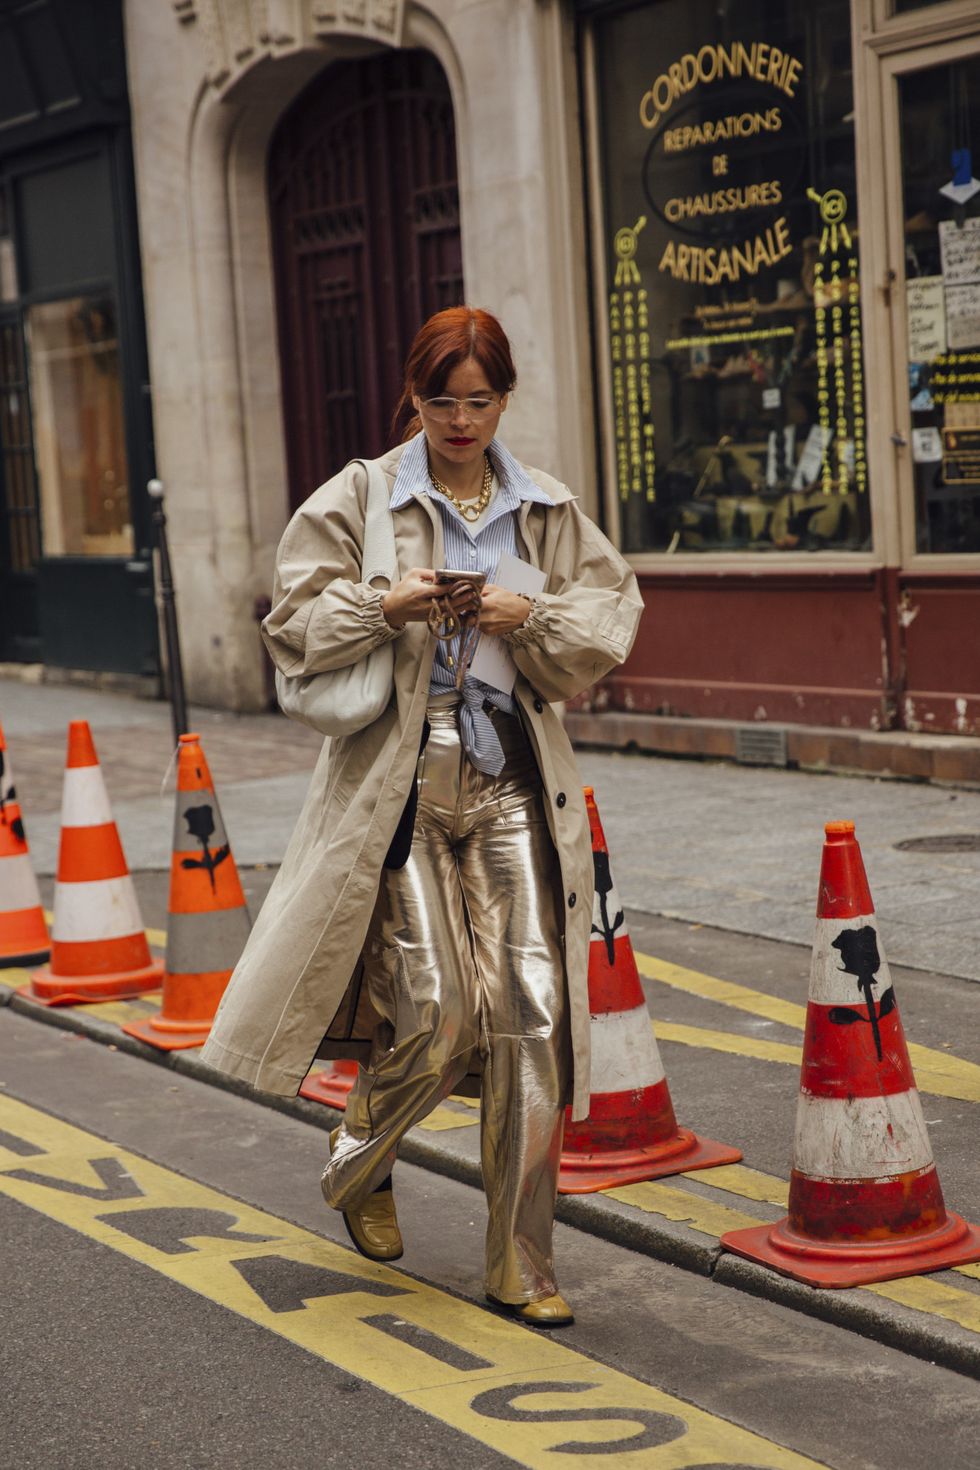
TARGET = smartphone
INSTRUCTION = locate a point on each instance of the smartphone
(445, 577)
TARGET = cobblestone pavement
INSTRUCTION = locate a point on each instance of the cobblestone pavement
(733, 847)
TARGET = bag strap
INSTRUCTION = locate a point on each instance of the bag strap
(379, 560)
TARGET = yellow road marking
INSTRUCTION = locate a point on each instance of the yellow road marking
(749, 1183)
(936, 1072)
(121, 1012)
(683, 1207)
(730, 1041)
(726, 992)
(924, 1293)
(445, 1117)
(478, 1373)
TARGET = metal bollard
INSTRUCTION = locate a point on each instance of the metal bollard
(261, 608)
(175, 671)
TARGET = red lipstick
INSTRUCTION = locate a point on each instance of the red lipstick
(461, 443)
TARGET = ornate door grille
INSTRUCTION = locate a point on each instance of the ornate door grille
(365, 225)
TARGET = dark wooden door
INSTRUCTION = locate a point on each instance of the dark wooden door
(365, 226)
(20, 538)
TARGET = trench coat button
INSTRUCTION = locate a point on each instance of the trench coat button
(572, 900)
(538, 706)
(561, 799)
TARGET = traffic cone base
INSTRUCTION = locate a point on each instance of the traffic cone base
(175, 1032)
(23, 932)
(610, 1149)
(57, 990)
(589, 1173)
(865, 1203)
(19, 960)
(208, 921)
(834, 1264)
(331, 1087)
(25, 936)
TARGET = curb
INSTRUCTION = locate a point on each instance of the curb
(912, 1332)
(895, 755)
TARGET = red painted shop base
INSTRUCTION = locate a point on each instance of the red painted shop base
(833, 1264)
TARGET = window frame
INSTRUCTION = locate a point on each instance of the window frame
(735, 561)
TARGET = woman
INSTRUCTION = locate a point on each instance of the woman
(436, 896)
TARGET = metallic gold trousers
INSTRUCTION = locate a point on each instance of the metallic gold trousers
(464, 954)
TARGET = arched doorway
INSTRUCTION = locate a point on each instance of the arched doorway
(365, 227)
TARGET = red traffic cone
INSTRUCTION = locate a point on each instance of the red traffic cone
(864, 1198)
(23, 932)
(208, 923)
(331, 1087)
(631, 1133)
(98, 950)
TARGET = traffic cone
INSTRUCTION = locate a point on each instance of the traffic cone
(208, 923)
(631, 1133)
(864, 1198)
(23, 932)
(331, 1087)
(98, 950)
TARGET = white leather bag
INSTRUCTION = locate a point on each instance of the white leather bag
(341, 701)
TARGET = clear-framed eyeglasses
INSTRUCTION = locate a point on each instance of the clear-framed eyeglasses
(480, 406)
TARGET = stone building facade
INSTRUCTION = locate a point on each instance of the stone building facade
(210, 83)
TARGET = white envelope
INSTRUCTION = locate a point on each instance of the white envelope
(492, 662)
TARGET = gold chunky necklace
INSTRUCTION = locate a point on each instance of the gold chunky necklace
(470, 511)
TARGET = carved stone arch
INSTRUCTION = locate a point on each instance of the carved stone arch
(237, 113)
(218, 392)
(237, 34)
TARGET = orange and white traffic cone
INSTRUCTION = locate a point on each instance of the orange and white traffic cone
(208, 923)
(331, 1087)
(631, 1133)
(98, 949)
(864, 1198)
(23, 932)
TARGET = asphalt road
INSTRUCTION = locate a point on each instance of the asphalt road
(175, 1293)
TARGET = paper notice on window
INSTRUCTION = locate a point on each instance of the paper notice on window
(927, 318)
(927, 447)
(959, 247)
(811, 460)
(773, 476)
(963, 316)
(492, 661)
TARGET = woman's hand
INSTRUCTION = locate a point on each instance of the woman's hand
(410, 600)
(502, 611)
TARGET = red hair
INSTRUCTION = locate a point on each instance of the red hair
(442, 343)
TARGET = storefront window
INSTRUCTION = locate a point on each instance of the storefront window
(728, 177)
(940, 114)
(79, 440)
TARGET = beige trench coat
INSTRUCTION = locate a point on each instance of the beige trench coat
(298, 978)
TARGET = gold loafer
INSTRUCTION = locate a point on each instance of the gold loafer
(373, 1225)
(552, 1311)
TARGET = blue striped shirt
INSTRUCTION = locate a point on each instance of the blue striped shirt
(469, 550)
